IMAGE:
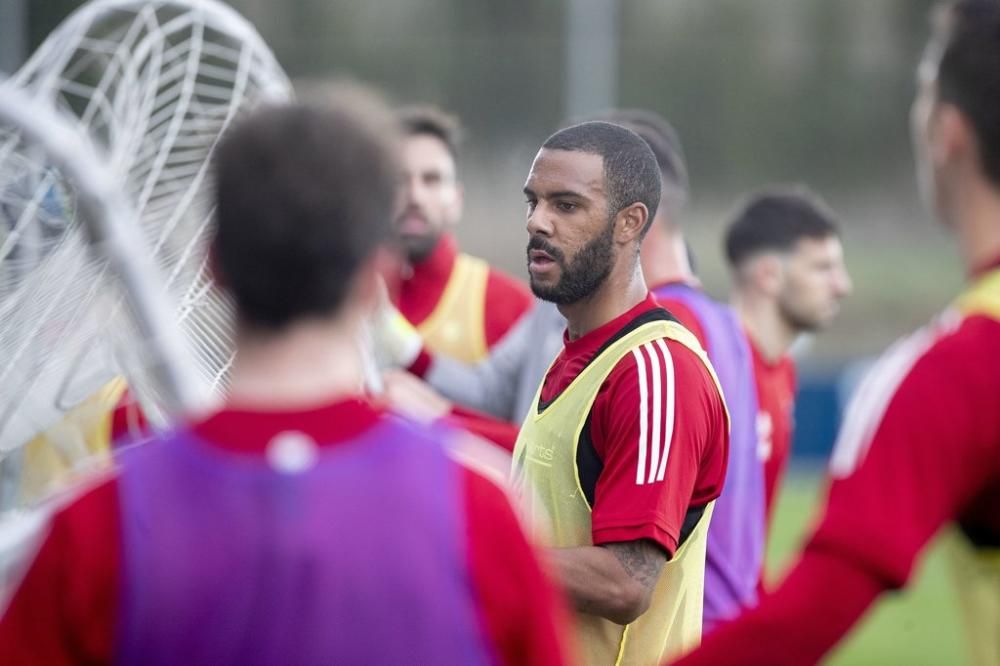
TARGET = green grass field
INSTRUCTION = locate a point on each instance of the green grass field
(918, 626)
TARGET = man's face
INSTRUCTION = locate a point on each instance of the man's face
(571, 248)
(814, 281)
(431, 198)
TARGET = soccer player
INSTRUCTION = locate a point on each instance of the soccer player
(920, 446)
(460, 305)
(624, 449)
(789, 277)
(302, 523)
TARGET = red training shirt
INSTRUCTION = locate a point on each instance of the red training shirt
(66, 609)
(775, 419)
(418, 294)
(920, 447)
(696, 448)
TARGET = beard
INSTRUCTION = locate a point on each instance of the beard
(580, 277)
(799, 320)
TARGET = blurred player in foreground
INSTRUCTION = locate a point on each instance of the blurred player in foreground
(921, 443)
(625, 445)
(789, 277)
(302, 523)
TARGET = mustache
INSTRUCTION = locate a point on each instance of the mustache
(539, 243)
(414, 211)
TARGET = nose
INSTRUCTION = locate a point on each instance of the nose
(412, 190)
(538, 221)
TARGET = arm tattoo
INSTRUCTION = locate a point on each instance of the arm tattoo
(643, 560)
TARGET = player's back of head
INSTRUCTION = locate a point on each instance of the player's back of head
(631, 173)
(304, 195)
(665, 143)
(775, 220)
(967, 32)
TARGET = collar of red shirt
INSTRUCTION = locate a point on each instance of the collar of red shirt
(593, 340)
(245, 430)
(435, 269)
(762, 361)
(986, 267)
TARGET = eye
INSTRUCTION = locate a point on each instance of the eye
(566, 206)
(531, 204)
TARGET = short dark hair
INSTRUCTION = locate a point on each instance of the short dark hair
(304, 196)
(775, 220)
(969, 71)
(631, 174)
(665, 143)
(432, 121)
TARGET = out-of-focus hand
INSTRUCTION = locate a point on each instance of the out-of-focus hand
(413, 397)
(395, 341)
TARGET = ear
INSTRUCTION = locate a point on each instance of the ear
(767, 273)
(630, 222)
(952, 139)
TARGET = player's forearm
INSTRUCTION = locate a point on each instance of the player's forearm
(789, 626)
(597, 583)
(478, 387)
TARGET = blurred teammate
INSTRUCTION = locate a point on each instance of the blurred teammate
(625, 445)
(921, 443)
(787, 266)
(460, 305)
(302, 523)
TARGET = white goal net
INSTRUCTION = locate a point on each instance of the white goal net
(153, 85)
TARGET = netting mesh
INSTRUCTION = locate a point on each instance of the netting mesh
(154, 84)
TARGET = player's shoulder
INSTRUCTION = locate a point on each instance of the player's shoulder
(952, 348)
(88, 511)
(663, 359)
(503, 284)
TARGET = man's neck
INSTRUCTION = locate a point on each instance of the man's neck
(665, 257)
(308, 364)
(618, 295)
(768, 330)
(978, 225)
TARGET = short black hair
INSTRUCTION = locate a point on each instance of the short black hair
(429, 120)
(968, 34)
(304, 196)
(775, 220)
(665, 143)
(631, 173)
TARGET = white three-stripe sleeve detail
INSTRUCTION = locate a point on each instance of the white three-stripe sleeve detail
(657, 400)
(668, 419)
(640, 364)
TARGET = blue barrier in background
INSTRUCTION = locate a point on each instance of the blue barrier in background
(819, 406)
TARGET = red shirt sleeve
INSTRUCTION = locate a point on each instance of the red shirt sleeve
(523, 616)
(65, 609)
(922, 460)
(659, 426)
(506, 301)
